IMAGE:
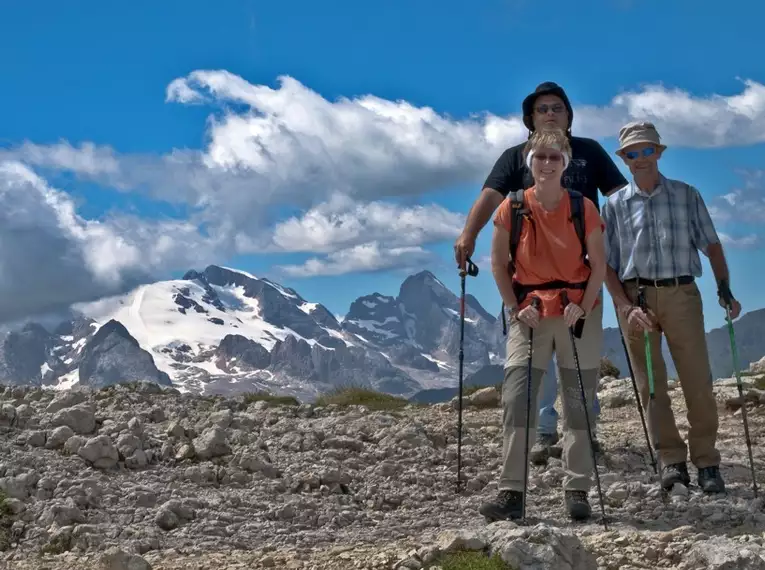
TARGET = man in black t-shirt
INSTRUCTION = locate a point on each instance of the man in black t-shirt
(590, 171)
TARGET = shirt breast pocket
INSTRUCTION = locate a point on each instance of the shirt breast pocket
(664, 232)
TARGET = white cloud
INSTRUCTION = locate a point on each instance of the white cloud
(342, 223)
(741, 207)
(271, 147)
(681, 118)
(89, 159)
(50, 257)
(362, 258)
(745, 242)
(745, 204)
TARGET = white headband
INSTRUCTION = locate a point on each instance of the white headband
(566, 159)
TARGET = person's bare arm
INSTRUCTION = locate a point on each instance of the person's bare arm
(484, 206)
(480, 213)
(596, 252)
(616, 290)
(500, 254)
(716, 255)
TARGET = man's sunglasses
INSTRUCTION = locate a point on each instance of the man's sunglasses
(556, 108)
(633, 154)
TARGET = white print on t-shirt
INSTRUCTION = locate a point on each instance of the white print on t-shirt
(576, 174)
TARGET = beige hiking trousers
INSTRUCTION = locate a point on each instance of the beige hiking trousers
(550, 335)
(680, 314)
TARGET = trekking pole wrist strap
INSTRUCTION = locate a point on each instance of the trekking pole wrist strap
(724, 293)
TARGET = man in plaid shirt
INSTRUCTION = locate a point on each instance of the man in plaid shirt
(655, 228)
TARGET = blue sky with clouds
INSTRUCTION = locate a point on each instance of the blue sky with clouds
(336, 147)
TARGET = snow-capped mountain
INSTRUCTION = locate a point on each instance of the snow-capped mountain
(419, 329)
(223, 331)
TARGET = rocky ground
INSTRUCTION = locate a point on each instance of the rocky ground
(139, 477)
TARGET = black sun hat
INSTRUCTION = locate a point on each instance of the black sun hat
(546, 88)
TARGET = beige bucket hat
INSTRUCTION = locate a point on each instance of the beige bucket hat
(638, 132)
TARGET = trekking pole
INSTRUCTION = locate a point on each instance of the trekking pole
(472, 270)
(641, 302)
(637, 396)
(535, 301)
(727, 298)
(564, 297)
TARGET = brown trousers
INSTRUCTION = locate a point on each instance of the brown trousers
(680, 315)
(551, 335)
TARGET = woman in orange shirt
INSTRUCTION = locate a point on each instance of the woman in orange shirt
(549, 260)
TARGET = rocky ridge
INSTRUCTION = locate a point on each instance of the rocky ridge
(223, 331)
(139, 476)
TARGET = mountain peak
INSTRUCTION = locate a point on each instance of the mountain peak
(223, 268)
(422, 280)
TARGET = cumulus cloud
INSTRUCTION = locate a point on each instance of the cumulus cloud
(50, 257)
(743, 206)
(270, 147)
(342, 223)
(363, 258)
(681, 118)
(745, 242)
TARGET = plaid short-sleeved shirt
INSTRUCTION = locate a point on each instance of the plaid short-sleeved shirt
(657, 235)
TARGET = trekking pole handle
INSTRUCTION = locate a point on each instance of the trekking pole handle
(578, 328)
(470, 268)
(641, 297)
(723, 291)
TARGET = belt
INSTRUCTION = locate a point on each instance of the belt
(522, 290)
(668, 282)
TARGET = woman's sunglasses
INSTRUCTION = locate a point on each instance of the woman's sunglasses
(554, 157)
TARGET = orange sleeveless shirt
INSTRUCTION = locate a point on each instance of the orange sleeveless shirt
(549, 249)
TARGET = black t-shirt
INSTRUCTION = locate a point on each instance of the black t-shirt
(590, 170)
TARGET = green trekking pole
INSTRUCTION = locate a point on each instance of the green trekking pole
(649, 369)
(727, 297)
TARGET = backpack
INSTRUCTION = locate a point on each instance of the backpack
(520, 211)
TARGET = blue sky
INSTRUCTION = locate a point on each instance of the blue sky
(103, 102)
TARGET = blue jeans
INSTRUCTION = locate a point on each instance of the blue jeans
(548, 417)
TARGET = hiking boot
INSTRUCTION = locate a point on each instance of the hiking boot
(675, 473)
(578, 505)
(710, 480)
(541, 450)
(507, 506)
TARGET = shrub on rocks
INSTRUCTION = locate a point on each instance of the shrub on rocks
(357, 396)
(608, 368)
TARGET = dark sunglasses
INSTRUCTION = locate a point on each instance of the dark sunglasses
(633, 154)
(554, 157)
(556, 108)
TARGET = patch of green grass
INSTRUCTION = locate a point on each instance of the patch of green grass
(471, 560)
(358, 396)
(263, 396)
(6, 521)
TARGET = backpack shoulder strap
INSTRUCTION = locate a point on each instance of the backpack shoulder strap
(518, 210)
(577, 218)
